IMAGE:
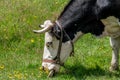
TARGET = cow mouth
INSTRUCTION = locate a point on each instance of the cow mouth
(50, 68)
(51, 72)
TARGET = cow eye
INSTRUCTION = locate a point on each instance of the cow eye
(48, 44)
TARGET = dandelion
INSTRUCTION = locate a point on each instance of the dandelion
(10, 76)
(41, 68)
(2, 67)
(47, 71)
(19, 76)
(56, 2)
(32, 40)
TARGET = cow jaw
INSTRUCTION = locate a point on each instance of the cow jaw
(50, 52)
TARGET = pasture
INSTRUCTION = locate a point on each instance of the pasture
(21, 50)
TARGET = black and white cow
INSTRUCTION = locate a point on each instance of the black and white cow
(98, 17)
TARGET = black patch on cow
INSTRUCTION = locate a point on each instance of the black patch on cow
(85, 16)
(95, 27)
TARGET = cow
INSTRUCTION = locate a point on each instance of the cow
(98, 17)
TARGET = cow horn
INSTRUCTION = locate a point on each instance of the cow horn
(43, 30)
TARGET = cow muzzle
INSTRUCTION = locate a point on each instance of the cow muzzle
(52, 68)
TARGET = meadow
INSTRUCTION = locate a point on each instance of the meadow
(21, 50)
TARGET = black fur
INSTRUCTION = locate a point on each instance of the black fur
(85, 16)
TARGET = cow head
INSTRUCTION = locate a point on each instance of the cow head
(51, 48)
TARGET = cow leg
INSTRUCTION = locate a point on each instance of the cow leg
(115, 44)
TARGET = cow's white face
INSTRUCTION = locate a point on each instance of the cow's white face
(51, 48)
(50, 51)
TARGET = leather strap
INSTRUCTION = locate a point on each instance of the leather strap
(49, 61)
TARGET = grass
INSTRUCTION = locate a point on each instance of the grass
(21, 49)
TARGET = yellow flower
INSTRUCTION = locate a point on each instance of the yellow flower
(10, 76)
(41, 68)
(19, 76)
(32, 40)
(2, 67)
(47, 71)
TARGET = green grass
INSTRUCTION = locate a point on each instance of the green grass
(21, 49)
